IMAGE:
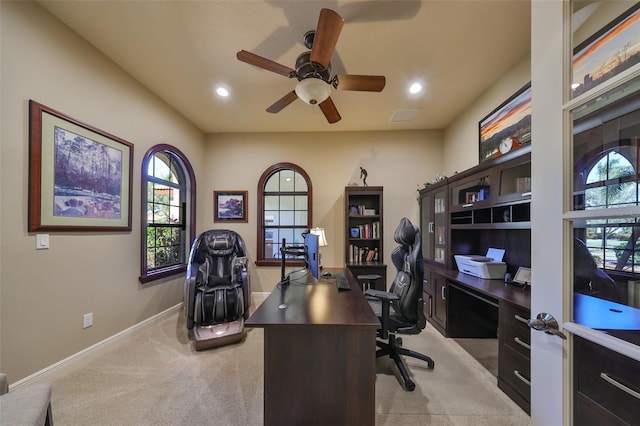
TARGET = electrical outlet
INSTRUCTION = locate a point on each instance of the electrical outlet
(87, 320)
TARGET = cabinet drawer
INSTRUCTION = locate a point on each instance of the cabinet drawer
(515, 370)
(517, 336)
(608, 379)
(588, 413)
(514, 330)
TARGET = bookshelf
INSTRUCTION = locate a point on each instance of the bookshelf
(364, 240)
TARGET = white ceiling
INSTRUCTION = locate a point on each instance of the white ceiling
(182, 50)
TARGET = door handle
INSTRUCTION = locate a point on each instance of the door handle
(547, 323)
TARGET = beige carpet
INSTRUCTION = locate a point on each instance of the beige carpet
(154, 377)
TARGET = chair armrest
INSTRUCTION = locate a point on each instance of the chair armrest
(382, 295)
(385, 298)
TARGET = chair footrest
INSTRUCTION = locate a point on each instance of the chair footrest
(211, 336)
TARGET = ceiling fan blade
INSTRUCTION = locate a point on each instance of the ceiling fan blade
(327, 33)
(330, 111)
(264, 63)
(365, 83)
(283, 102)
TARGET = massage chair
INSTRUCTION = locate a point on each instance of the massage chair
(216, 289)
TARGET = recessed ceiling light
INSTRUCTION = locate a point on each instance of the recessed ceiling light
(415, 88)
(221, 91)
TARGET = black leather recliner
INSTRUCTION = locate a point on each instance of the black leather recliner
(216, 289)
(401, 309)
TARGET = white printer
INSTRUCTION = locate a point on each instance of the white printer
(489, 267)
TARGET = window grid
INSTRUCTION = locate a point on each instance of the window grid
(284, 196)
(167, 213)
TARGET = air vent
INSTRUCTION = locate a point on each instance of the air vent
(404, 115)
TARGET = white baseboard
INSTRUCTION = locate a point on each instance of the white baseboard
(41, 375)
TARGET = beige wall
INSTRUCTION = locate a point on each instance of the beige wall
(399, 161)
(45, 293)
(461, 137)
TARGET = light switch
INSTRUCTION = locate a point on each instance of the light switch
(42, 241)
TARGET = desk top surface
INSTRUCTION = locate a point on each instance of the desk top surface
(601, 314)
(495, 288)
(315, 303)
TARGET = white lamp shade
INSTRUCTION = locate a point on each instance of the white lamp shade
(322, 240)
(313, 90)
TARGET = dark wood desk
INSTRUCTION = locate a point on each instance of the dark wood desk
(319, 354)
(489, 308)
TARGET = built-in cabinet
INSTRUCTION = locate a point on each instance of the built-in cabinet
(483, 207)
(514, 353)
(606, 386)
(434, 225)
(364, 237)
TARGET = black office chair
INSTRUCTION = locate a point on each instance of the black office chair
(216, 289)
(401, 309)
(588, 278)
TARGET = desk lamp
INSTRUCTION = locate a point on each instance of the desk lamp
(322, 241)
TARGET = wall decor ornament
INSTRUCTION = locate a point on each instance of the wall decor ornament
(230, 206)
(79, 176)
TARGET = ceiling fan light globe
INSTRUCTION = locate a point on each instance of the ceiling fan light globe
(312, 91)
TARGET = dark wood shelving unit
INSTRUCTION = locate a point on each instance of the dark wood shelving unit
(485, 206)
(364, 232)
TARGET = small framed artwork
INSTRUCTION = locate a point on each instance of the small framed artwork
(230, 206)
(507, 127)
(79, 176)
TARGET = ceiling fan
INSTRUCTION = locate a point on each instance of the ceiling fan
(313, 69)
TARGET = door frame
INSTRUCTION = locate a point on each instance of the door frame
(552, 214)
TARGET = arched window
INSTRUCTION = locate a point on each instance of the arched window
(612, 182)
(284, 209)
(606, 185)
(168, 212)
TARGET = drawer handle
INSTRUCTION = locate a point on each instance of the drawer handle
(521, 377)
(522, 343)
(524, 320)
(619, 385)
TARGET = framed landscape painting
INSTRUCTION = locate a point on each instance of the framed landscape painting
(609, 52)
(230, 206)
(508, 127)
(79, 176)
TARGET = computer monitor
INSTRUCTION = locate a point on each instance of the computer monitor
(311, 254)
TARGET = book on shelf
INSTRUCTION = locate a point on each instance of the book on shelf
(362, 254)
(370, 254)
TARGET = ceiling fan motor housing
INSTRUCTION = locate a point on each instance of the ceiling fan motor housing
(305, 68)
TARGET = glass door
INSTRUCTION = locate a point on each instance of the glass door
(584, 207)
(440, 226)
